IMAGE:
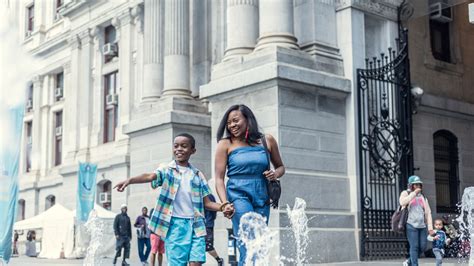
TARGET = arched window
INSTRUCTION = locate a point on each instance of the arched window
(104, 194)
(21, 210)
(50, 201)
(446, 170)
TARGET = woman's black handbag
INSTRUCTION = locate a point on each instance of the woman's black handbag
(273, 187)
(399, 219)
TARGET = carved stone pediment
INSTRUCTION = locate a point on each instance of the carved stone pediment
(383, 8)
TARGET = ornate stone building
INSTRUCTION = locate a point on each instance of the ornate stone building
(116, 80)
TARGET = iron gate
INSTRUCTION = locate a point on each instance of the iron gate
(385, 145)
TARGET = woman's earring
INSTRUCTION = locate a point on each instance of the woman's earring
(247, 134)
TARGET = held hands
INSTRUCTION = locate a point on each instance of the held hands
(228, 210)
(270, 175)
(122, 185)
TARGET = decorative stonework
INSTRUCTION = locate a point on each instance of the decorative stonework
(137, 16)
(325, 2)
(38, 81)
(384, 8)
(67, 68)
(74, 41)
(242, 2)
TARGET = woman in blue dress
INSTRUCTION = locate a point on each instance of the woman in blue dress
(240, 151)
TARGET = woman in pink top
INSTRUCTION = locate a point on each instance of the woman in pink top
(419, 221)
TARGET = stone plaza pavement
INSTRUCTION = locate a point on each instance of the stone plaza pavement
(26, 261)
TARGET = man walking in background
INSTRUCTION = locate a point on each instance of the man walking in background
(143, 236)
(123, 234)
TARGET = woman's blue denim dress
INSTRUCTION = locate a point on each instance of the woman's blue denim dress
(247, 186)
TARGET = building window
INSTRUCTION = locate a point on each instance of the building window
(30, 20)
(440, 40)
(50, 201)
(59, 4)
(59, 86)
(104, 195)
(110, 106)
(29, 98)
(446, 171)
(58, 138)
(110, 48)
(21, 210)
(29, 145)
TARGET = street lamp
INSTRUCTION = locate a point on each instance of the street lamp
(471, 13)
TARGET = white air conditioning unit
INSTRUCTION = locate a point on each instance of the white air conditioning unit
(58, 92)
(111, 99)
(105, 197)
(58, 131)
(109, 49)
(28, 33)
(441, 12)
(29, 104)
(29, 140)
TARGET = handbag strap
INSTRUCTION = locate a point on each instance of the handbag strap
(264, 143)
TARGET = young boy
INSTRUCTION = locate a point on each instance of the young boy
(179, 213)
(439, 240)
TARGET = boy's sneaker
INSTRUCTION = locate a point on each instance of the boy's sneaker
(406, 262)
(124, 263)
(220, 262)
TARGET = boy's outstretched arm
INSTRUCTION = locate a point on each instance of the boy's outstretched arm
(143, 178)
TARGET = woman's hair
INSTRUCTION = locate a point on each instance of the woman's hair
(254, 134)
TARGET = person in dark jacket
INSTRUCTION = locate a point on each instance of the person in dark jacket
(123, 234)
(210, 217)
(143, 236)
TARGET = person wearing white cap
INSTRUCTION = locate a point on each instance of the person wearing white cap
(123, 234)
(419, 221)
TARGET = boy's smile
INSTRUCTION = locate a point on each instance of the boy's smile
(182, 149)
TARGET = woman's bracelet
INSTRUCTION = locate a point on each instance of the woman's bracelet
(223, 205)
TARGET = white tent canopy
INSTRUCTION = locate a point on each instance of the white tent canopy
(60, 232)
(58, 211)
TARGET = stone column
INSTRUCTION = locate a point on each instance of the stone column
(85, 92)
(176, 62)
(72, 98)
(38, 82)
(242, 33)
(153, 50)
(276, 24)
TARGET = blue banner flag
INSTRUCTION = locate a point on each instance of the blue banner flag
(10, 143)
(85, 190)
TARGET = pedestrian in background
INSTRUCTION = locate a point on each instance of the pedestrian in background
(143, 236)
(419, 222)
(157, 247)
(123, 234)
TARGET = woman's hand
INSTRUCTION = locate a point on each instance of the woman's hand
(122, 185)
(417, 190)
(270, 175)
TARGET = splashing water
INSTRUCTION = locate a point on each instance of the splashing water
(466, 220)
(257, 238)
(95, 227)
(299, 226)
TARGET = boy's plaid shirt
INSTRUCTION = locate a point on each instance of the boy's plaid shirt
(169, 178)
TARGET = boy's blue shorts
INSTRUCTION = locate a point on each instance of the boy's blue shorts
(182, 245)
